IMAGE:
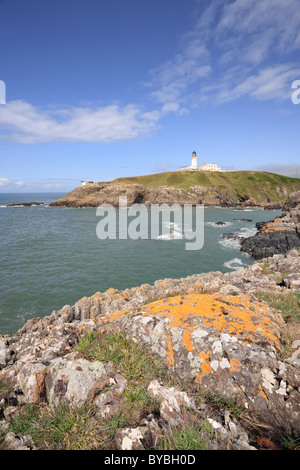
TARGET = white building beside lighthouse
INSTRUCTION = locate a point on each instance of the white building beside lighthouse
(209, 167)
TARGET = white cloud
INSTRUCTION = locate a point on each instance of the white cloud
(4, 181)
(286, 169)
(269, 83)
(23, 122)
(237, 48)
(171, 80)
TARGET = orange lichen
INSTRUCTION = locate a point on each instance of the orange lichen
(276, 225)
(242, 317)
(205, 366)
(170, 354)
(262, 393)
(186, 340)
(111, 291)
(235, 365)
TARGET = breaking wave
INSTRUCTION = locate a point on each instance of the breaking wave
(171, 231)
(234, 263)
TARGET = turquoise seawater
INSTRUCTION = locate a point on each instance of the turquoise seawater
(51, 257)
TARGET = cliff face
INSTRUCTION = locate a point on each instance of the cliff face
(223, 189)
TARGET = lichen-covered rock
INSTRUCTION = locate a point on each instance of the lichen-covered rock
(228, 345)
(173, 402)
(19, 442)
(228, 436)
(31, 381)
(132, 438)
(78, 381)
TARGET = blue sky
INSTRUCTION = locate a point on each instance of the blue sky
(98, 89)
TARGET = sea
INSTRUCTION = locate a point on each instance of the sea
(52, 256)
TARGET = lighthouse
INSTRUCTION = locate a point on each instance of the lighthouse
(195, 167)
(194, 161)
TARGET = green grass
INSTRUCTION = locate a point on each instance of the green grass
(265, 270)
(112, 424)
(224, 403)
(61, 428)
(135, 362)
(287, 302)
(4, 387)
(67, 427)
(290, 443)
(194, 434)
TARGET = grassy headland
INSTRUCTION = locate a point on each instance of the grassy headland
(185, 187)
(256, 184)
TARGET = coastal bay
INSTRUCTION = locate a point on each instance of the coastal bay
(51, 256)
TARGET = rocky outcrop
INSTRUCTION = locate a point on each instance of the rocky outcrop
(210, 331)
(292, 201)
(96, 194)
(226, 344)
(26, 204)
(277, 236)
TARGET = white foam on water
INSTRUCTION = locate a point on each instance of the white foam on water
(247, 232)
(175, 232)
(230, 243)
(235, 243)
(215, 224)
(234, 263)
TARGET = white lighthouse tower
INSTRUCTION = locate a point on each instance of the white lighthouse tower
(195, 167)
(194, 161)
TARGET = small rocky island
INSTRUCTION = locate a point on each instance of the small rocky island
(217, 354)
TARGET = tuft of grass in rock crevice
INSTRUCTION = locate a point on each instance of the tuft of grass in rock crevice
(194, 434)
(64, 427)
(137, 363)
(287, 302)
